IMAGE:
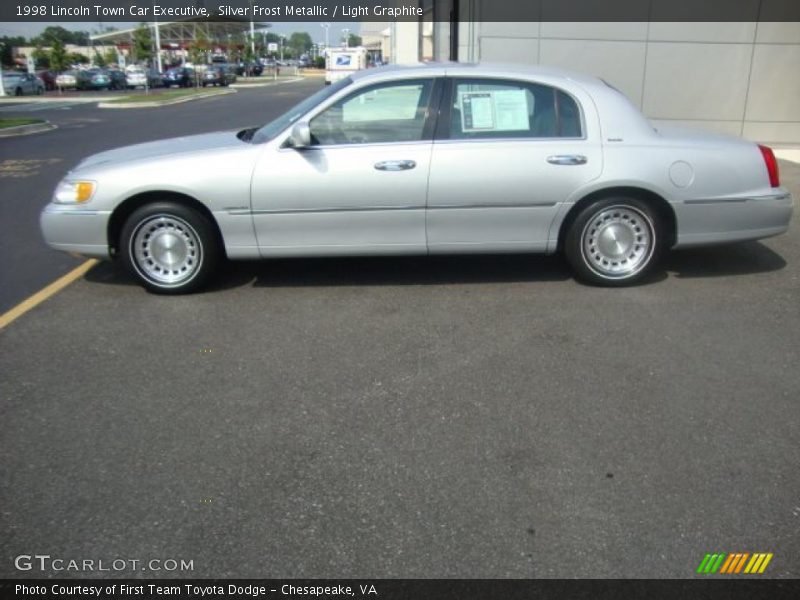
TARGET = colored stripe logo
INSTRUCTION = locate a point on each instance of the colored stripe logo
(734, 563)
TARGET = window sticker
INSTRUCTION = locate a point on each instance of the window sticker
(477, 111)
(511, 107)
(497, 110)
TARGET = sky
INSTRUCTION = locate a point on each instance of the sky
(313, 28)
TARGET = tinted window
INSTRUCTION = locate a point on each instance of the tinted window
(511, 109)
(388, 112)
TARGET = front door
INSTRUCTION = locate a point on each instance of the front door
(361, 186)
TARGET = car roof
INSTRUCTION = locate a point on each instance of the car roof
(477, 70)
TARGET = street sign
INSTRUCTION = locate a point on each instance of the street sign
(272, 47)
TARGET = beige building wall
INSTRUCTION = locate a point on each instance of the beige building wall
(737, 78)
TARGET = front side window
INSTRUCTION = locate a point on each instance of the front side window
(511, 109)
(388, 112)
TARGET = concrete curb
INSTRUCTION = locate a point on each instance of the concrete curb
(50, 99)
(156, 103)
(265, 84)
(27, 129)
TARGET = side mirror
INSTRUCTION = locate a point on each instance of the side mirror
(300, 136)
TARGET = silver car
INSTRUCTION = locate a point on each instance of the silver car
(22, 84)
(428, 159)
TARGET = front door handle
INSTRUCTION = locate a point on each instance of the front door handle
(567, 159)
(395, 165)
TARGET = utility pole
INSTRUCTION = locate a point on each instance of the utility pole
(345, 34)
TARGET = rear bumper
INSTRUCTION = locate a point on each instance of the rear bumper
(737, 219)
(76, 230)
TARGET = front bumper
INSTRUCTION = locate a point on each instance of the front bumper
(76, 229)
(737, 219)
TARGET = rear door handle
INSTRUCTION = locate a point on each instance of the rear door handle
(567, 159)
(395, 165)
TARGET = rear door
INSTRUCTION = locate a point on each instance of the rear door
(507, 154)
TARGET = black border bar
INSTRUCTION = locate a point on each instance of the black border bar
(402, 10)
(406, 589)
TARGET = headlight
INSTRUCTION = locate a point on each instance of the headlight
(74, 192)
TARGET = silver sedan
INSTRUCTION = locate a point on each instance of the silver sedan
(22, 84)
(424, 160)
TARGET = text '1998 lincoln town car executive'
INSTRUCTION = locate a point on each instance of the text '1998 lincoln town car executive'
(440, 158)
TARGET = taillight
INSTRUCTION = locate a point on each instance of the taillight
(771, 164)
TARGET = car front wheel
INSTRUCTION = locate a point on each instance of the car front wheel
(171, 248)
(614, 241)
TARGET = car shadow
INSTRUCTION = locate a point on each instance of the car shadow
(746, 258)
(719, 261)
(354, 271)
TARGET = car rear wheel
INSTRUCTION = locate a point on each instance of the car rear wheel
(614, 241)
(171, 248)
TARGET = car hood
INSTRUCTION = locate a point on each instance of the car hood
(160, 149)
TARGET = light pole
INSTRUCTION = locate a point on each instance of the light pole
(326, 27)
(283, 37)
(345, 33)
(2, 87)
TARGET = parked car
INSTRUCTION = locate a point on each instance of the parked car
(118, 79)
(22, 84)
(527, 160)
(249, 69)
(140, 77)
(48, 78)
(93, 79)
(218, 75)
(67, 79)
(180, 76)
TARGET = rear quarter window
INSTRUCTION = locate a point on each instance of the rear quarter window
(483, 108)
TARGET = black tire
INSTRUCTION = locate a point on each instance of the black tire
(614, 242)
(170, 248)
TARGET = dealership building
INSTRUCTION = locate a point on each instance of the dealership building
(740, 78)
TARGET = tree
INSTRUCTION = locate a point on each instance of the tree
(58, 56)
(353, 40)
(99, 59)
(111, 57)
(199, 48)
(77, 58)
(7, 44)
(142, 47)
(300, 42)
(235, 45)
(198, 52)
(52, 33)
(41, 57)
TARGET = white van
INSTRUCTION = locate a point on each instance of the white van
(341, 62)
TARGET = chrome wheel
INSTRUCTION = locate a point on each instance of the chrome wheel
(618, 242)
(166, 250)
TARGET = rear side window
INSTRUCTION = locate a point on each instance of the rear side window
(483, 108)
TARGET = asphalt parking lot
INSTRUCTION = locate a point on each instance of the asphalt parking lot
(394, 417)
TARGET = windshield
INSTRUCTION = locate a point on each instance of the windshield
(273, 128)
